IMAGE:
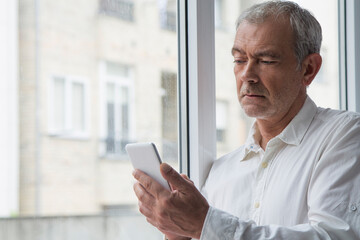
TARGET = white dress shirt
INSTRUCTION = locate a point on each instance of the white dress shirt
(305, 185)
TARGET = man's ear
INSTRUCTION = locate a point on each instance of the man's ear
(310, 67)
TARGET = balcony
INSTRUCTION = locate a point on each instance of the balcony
(118, 8)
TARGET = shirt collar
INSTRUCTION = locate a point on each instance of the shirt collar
(252, 141)
(292, 134)
(296, 129)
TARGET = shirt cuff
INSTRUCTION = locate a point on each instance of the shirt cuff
(218, 225)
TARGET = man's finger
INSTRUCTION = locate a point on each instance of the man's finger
(144, 196)
(144, 210)
(186, 178)
(149, 184)
(173, 177)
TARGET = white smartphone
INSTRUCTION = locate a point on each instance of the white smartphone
(145, 157)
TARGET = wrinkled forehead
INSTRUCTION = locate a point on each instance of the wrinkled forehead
(272, 29)
(272, 33)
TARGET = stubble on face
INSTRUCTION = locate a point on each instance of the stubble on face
(262, 106)
(253, 90)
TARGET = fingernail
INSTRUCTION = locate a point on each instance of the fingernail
(165, 167)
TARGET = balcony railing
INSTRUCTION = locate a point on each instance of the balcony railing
(118, 8)
(168, 21)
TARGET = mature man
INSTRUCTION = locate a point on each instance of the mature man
(298, 174)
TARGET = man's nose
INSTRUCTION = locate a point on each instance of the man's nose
(249, 73)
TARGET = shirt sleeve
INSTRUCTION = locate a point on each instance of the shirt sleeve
(220, 225)
(333, 199)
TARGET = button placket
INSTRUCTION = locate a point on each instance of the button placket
(257, 196)
(263, 172)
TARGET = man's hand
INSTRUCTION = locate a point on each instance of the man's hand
(180, 212)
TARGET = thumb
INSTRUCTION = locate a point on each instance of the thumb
(173, 177)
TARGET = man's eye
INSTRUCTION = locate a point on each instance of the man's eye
(268, 62)
(239, 61)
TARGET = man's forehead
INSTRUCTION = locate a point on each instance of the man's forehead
(267, 38)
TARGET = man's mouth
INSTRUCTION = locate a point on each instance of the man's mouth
(253, 96)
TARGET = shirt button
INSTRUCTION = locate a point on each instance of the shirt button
(264, 164)
(353, 208)
(257, 205)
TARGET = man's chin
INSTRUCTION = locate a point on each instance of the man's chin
(255, 111)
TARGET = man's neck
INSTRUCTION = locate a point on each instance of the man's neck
(270, 128)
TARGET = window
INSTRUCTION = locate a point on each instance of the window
(221, 121)
(167, 9)
(88, 85)
(327, 81)
(118, 90)
(62, 177)
(219, 13)
(68, 111)
(123, 9)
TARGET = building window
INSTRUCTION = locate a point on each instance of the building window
(167, 9)
(221, 121)
(218, 13)
(67, 107)
(117, 91)
(123, 9)
(169, 116)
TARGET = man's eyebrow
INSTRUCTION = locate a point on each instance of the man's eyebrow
(234, 50)
(266, 53)
(260, 53)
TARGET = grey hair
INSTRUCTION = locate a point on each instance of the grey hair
(306, 29)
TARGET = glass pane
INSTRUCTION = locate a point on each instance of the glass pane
(125, 116)
(169, 116)
(324, 89)
(78, 107)
(125, 53)
(110, 116)
(221, 121)
(59, 104)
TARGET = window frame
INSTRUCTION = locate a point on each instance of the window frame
(68, 131)
(9, 139)
(349, 36)
(196, 31)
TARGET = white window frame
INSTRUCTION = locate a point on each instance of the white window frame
(197, 79)
(197, 88)
(9, 123)
(68, 131)
(349, 38)
(118, 82)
